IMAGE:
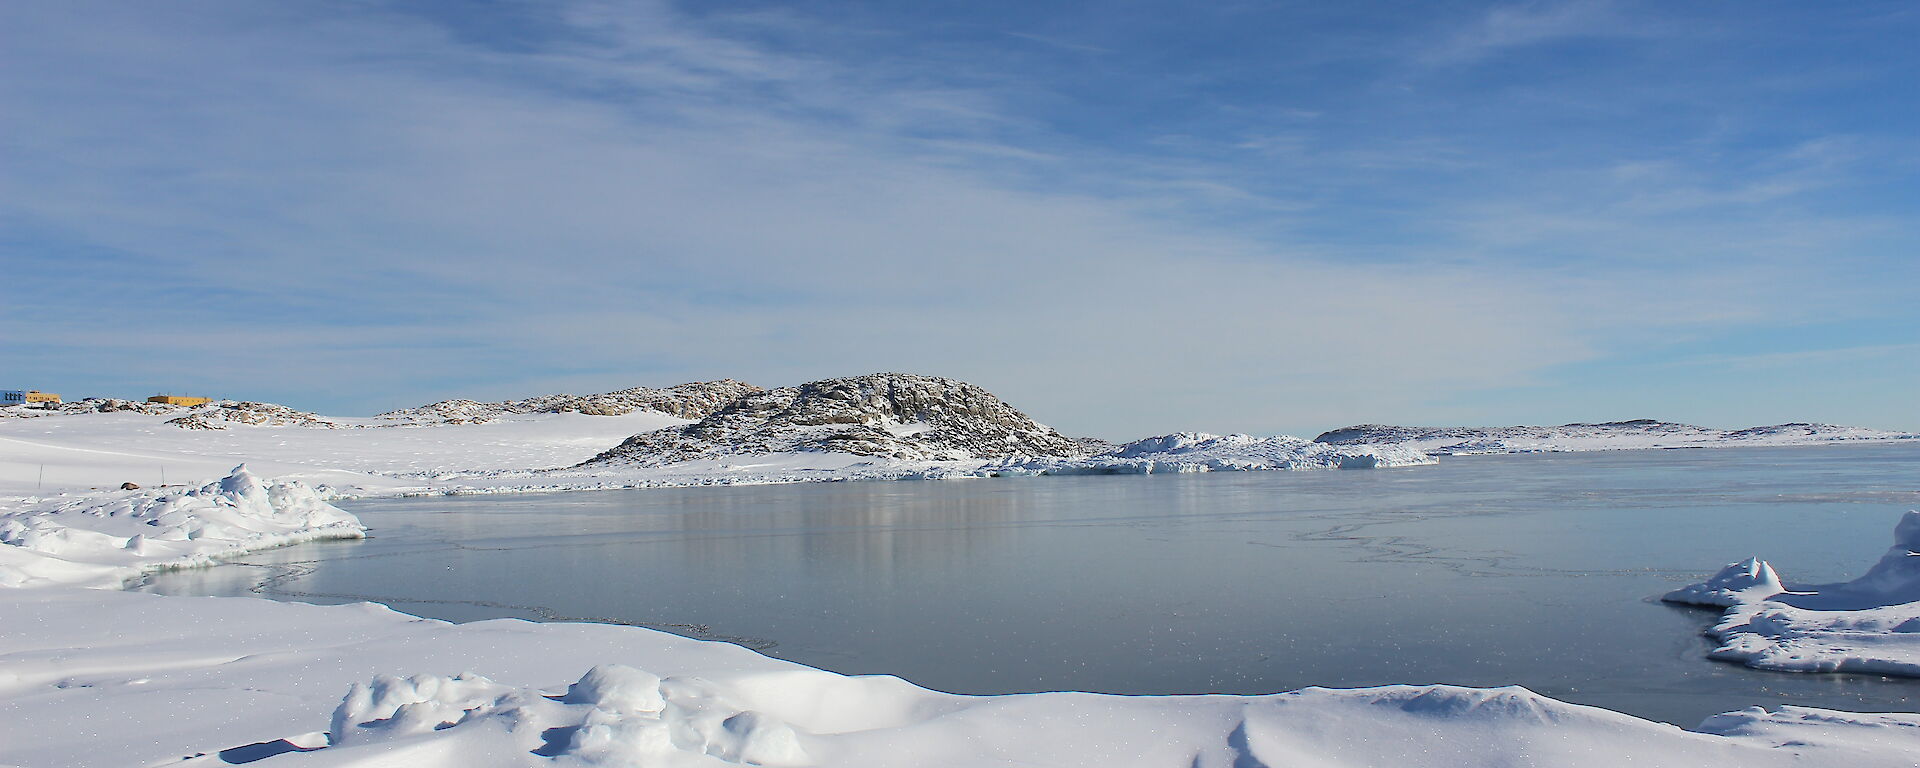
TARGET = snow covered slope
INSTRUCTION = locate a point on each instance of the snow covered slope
(1618, 435)
(889, 415)
(691, 401)
(286, 684)
(1870, 624)
(103, 450)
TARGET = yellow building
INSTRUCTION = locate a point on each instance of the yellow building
(179, 400)
(37, 396)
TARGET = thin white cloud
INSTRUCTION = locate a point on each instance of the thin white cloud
(1512, 26)
(644, 196)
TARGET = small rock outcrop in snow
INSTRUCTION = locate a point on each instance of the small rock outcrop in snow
(104, 538)
(1870, 624)
(88, 405)
(220, 414)
(1202, 452)
(687, 401)
(888, 415)
(1616, 435)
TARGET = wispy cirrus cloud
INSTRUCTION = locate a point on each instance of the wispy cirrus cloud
(1510, 26)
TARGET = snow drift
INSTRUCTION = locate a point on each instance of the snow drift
(1870, 624)
(104, 539)
(360, 685)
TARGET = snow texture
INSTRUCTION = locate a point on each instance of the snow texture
(287, 684)
(1869, 625)
(107, 538)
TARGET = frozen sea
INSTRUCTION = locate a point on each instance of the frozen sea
(1540, 570)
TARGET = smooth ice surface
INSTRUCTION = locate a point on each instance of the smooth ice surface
(1541, 570)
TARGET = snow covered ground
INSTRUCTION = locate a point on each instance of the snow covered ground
(363, 457)
(93, 677)
(100, 677)
(1635, 435)
(537, 451)
(1870, 624)
(103, 450)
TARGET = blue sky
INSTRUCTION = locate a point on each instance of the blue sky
(1126, 218)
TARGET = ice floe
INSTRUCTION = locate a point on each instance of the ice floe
(1869, 625)
(106, 538)
(1201, 452)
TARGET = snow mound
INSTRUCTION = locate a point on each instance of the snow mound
(1746, 581)
(103, 539)
(1202, 452)
(691, 721)
(615, 715)
(1870, 624)
(1636, 434)
(227, 681)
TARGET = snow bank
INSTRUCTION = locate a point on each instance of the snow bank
(615, 715)
(1870, 624)
(1201, 452)
(1638, 434)
(103, 539)
(359, 685)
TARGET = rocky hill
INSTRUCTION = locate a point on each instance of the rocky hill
(1614, 435)
(687, 401)
(888, 415)
(215, 415)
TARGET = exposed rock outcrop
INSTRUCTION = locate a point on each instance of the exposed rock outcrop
(218, 415)
(889, 415)
(687, 401)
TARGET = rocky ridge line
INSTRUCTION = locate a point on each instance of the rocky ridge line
(694, 400)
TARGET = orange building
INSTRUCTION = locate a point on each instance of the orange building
(37, 396)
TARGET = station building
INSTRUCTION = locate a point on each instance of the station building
(186, 400)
